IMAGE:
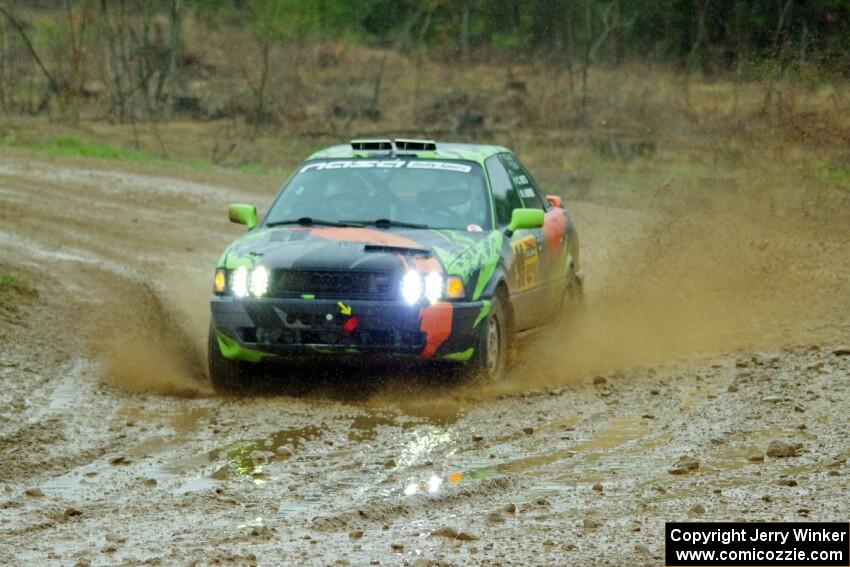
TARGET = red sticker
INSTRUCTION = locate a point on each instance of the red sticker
(350, 325)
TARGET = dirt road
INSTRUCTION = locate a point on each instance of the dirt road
(706, 378)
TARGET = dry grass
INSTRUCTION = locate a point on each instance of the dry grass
(787, 137)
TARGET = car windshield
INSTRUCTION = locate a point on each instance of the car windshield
(420, 193)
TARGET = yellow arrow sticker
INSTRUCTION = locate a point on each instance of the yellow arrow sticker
(343, 308)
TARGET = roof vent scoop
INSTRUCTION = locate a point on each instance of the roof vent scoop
(415, 145)
(372, 145)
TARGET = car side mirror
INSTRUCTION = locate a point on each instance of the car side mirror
(555, 201)
(525, 218)
(243, 214)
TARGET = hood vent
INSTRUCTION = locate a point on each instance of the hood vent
(398, 250)
(288, 235)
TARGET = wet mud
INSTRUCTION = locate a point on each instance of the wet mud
(711, 327)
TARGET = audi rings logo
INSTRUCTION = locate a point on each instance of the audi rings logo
(331, 282)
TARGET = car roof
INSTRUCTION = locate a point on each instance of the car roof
(447, 151)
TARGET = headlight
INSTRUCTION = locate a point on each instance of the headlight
(411, 287)
(433, 287)
(239, 282)
(415, 286)
(259, 281)
(243, 281)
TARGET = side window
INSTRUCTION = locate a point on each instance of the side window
(505, 198)
(524, 183)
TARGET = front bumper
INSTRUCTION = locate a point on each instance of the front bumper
(253, 329)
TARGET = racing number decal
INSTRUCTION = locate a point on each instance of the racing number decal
(526, 263)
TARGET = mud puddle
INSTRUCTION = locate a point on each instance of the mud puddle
(366, 427)
(617, 433)
(239, 460)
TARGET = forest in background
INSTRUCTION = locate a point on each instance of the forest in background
(144, 58)
(667, 89)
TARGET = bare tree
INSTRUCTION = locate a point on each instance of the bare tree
(170, 60)
(591, 50)
(698, 46)
(783, 7)
(5, 73)
(258, 86)
(53, 87)
(115, 62)
(464, 32)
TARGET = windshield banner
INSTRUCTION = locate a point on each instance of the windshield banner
(387, 164)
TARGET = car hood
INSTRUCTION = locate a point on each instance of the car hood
(352, 248)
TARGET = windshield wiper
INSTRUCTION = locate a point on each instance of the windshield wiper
(310, 221)
(386, 223)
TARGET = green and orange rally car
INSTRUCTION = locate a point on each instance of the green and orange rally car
(394, 247)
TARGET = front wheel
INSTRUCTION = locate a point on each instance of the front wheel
(227, 376)
(489, 362)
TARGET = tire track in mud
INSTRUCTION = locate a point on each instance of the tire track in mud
(152, 340)
(122, 261)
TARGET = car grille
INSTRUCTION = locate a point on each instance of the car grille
(334, 284)
(331, 335)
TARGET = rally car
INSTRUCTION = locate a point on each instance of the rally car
(393, 247)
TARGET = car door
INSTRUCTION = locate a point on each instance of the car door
(553, 244)
(525, 268)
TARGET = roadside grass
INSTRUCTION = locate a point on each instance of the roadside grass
(574, 170)
(13, 284)
(189, 147)
(564, 160)
(70, 146)
(67, 145)
(259, 168)
(832, 174)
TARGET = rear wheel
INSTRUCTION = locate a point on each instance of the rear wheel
(573, 292)
(227, 376)
(489, 362)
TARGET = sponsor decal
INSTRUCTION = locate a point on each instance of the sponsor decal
(530, 246)
(527, 193)
(520, 180)
(526, 267)
(474, 228)
(436, 322)
(441, 165)
(387, 164)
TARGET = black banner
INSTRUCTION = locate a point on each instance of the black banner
(739, 544)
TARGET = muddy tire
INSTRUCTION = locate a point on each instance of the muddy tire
(573, 297)
(227, 376)
(490, 361)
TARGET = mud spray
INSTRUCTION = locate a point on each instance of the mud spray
(703, 274)
(148, 340)
(682, 274)
(685, 273)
